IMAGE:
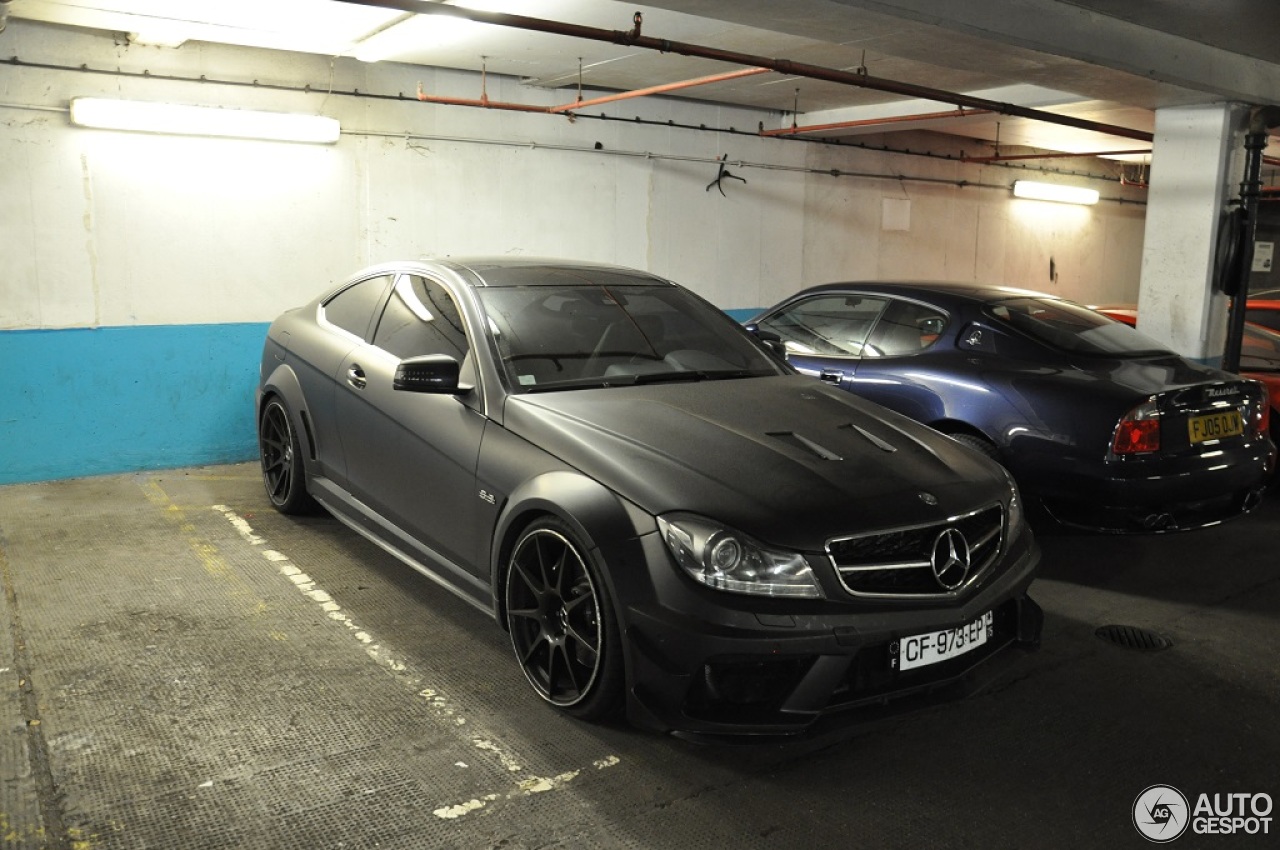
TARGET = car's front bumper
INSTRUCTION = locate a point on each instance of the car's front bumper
(710, 663)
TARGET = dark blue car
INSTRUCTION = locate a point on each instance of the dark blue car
(1102, 426)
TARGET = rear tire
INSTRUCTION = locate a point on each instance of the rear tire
(283, 473)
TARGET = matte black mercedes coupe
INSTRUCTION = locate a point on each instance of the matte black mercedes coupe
(655, 506)
(1101, 425)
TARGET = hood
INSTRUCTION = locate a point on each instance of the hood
(786, 459)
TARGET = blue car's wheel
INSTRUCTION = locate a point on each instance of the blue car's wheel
(979, 445)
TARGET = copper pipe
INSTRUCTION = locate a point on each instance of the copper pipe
(482, 101)
(665, 87)
(1002, 158)
(782, 66)
(873, 122)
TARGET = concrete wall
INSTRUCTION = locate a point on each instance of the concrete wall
(178, 251)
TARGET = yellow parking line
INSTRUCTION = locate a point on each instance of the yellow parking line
(443, 708)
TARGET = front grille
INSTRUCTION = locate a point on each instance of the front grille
(899, 562)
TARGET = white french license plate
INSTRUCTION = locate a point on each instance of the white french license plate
(933, 647)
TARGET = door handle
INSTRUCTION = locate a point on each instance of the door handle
(831, 376)
(355, 376)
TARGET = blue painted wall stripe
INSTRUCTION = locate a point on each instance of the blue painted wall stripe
(94, 401)
(741, 315)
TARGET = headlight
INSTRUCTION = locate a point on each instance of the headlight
(723, 558)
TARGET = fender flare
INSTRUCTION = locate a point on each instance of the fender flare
(602, 520)
(284, 382)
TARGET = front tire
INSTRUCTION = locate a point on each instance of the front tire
(979, 445)
(562, 624)
(283, 473)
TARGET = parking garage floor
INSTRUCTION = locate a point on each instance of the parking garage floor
(181, 667)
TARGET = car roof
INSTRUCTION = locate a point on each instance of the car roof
(979, 292)
(545, 271)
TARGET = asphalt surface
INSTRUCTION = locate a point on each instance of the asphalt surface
(181, 667)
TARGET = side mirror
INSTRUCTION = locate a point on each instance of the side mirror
(771, 340)
(430, 373)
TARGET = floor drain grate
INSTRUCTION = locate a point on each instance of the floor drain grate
(1132, 637)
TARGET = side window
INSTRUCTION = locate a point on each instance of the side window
(352, 308)
(905, 328)
(421, 318)
(833, 325)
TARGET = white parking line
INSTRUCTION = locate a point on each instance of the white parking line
(442, 707)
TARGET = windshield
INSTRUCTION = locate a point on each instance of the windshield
(1073, 328)
(1259, 350)
(567, 337)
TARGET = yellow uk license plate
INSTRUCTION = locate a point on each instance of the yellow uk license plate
(1215, 426)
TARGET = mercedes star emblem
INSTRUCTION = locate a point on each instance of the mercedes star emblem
(950, 559)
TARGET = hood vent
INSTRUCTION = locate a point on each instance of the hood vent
(804, 444)
(871, 438)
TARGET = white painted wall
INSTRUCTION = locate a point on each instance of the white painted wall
(970, 233)
(102, 228)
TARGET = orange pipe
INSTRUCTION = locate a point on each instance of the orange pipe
(483, 101)
(782, 66)
(872, 122)
(666, 87)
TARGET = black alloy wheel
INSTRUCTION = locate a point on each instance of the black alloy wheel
(561, 623)
(282, 471)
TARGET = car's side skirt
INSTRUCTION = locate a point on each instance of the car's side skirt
(387, 536)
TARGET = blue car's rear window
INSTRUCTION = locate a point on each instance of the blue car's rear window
(1073, 328)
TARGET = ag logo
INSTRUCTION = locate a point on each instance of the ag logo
(1161, 814)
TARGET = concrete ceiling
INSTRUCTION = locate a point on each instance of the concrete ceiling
(1110, 61)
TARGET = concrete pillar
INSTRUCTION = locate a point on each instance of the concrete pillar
(1196, 166)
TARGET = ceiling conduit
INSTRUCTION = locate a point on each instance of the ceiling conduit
(566, 108)
(876, 122)
(1059, 155)
(665, 87)
(633, 38)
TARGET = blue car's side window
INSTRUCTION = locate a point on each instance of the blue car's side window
(905, 328)
(827, 325)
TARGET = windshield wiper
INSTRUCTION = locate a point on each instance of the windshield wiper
(723, 374)
(668, 377)
(696, 375)
(625, 380)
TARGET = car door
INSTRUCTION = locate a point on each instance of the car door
(412, 456)
(868, 343)
(343, 322)
(824, 334)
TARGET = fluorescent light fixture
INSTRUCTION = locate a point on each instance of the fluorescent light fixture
(1054, 192)
(141, 116)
